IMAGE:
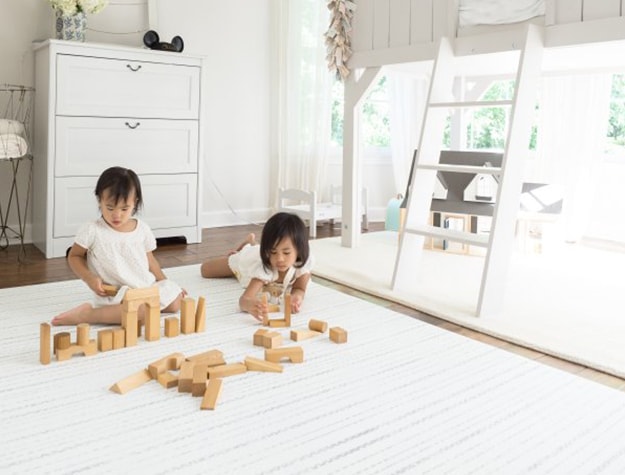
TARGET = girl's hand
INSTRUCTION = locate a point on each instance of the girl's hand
(95, 283)
(259, 309)
(296, 303)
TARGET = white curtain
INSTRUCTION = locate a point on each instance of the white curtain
(572, 127)
(407, 98)
(303, 92)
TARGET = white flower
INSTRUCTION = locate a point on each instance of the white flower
(71, 7)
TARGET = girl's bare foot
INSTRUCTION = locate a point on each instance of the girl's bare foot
(74, 316)
(250, 239)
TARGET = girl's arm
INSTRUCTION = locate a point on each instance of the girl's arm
(77, 260)
(155, 267)
(298, 290)
(249, 301)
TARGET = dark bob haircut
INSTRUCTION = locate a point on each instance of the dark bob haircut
(120, 182)
(278, 227)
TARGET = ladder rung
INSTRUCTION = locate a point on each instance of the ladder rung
(470, 104)
(450, 235)
(460, 168)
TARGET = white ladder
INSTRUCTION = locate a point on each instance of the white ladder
(499, 243)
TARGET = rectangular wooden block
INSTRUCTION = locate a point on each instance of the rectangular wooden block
(105, 340)
(131, 382)
(287, 309)
(167, 380)
(152, 323)
(338, 335)
(211, 395)
(255, 364)
(294, 353)
(172, 327)
(272, 340)
(200, 377)
(265, 315)
(130, 323)
(278, 323)
(187, 315)
(111, 290)
(258, 336)
(208, 358)
(224, 370)
(185, 377)
(168, 363)
(119, 338)
(299, 335)
(44, 343)
(200, 315)
(317, 325)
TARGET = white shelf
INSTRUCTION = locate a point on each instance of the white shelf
(450, 235)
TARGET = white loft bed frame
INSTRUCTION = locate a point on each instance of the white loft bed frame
(402, 32)
(305, 205)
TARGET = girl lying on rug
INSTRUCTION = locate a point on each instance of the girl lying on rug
(117, 250)
(281, 263)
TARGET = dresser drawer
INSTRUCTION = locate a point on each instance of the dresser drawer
(169, 203)
(88, 146)
(91, 86)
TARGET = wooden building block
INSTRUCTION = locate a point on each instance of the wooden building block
(211, 395)
(44, 343)
(136, 297)
(272, 340)
(299, 335)
(338, 335)
(152, 323)
(187, 315)
(277, 323)
(130, 324)
(105, 340)
(200, 315)
(273, 308)
(208, 358)
(287, 309)
(168, 363)
(255, 364)
(111, 290)
(172, 327)
(131, 382)
(258, 336)
(82, 334)
(294, 353)
(167, 380)
(224, 370)
(317, 325)
(200, 377)
(62, 341)
(185, 377)
(119, 338)
(266, 314)
(89, 349)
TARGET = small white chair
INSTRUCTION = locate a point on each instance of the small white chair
(305, 205)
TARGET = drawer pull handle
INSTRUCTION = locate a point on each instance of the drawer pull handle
(134, 69)
(137, 124)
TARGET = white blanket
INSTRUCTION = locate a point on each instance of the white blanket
(399, 396)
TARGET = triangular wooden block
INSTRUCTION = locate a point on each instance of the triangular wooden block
(131, 382)
(255, 364)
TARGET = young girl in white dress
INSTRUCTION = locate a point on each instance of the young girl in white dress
(281, 264)
(116, 250)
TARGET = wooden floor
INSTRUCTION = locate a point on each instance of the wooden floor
(217, 241)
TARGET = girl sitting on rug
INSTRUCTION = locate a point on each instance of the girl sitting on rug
(117, 250)
(281, 263)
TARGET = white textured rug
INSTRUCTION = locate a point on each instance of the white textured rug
(400, 396)
(568, 303)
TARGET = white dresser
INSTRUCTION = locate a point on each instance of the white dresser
(98, 106)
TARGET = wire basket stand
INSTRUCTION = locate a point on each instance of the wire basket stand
(16, 105)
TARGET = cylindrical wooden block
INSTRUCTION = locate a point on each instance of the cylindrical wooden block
(82, 334)
(62, 341)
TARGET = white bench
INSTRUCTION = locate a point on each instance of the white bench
(305, 205)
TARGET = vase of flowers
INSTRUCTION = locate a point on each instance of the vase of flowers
(71, 19)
